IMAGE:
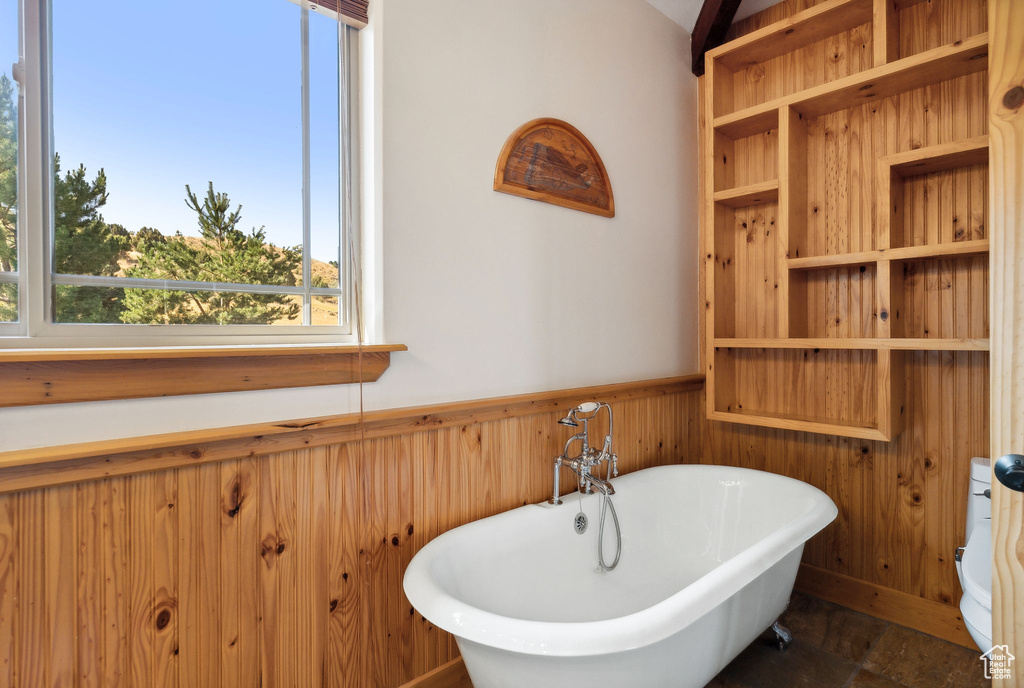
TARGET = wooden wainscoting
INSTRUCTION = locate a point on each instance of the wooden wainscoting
(282, 564)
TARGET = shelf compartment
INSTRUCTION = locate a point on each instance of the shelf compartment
(792, 33)
(926, 68)
(752, 194)
(853, 344)
(903, 253)
(828, 391)
(941, 299)
(942, 209)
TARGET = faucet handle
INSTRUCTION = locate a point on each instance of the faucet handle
(615, 464)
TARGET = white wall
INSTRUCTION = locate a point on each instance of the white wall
(496, 294)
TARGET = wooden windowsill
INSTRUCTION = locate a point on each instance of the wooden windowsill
(59, 376)
(166, 352)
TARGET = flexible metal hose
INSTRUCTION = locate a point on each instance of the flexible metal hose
(607, 504)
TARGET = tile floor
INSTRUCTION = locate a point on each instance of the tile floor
(835, 647)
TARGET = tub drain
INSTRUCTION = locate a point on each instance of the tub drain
(581, 523)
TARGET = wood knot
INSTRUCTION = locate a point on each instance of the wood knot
(334, 605)
(162, 619)
(195, 454)
(1014, 98)
(235, 499)
(408, 530)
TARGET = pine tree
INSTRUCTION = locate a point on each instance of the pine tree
(84, 245)
(223, 253)
(8, 195)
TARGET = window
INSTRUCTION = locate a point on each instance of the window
(174, 172)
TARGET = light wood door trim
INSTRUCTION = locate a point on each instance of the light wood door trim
(1006, 189)
(32, 468)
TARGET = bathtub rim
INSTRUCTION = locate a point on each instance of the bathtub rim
(638, 629)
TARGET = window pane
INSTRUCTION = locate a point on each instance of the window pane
(325, 310)
(8, 157)
(173, 307)
(324, 150)
(8, 303)
(178, 148)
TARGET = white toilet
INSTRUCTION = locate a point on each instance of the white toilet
(974, 560)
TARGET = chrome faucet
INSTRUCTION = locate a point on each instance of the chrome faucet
(588, 458)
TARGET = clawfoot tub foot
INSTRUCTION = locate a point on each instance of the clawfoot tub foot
(783, 637)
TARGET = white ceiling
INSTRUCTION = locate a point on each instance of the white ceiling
(684, 12)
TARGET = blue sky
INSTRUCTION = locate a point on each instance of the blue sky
(163, 93)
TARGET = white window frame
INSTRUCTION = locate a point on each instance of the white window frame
(36, 275)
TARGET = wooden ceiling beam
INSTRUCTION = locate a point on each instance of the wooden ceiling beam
(713, 22)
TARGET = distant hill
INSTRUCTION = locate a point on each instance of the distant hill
(324, 310)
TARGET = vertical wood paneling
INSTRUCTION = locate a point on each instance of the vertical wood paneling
(188, 509)
(140, 573)
(8, 587)
(230, 565)
(282, 570)
(90, 584)
(248, 568)
(164, 619)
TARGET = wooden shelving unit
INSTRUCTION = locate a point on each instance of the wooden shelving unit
(871, 366)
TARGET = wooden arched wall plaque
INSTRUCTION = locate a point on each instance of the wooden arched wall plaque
(549, 160)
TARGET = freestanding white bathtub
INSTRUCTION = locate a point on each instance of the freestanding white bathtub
(709, 557)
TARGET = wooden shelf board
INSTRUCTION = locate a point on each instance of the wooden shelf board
(792, 33)
(752, 120)
(767, 420)
(929, 344)
(902, 253)
(945, 156)
(929, 67)
(837, 260)
(862, 343)
(798, 343)
(952, 249)
(752, 194)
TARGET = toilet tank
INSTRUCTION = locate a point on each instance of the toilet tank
(979, 506)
